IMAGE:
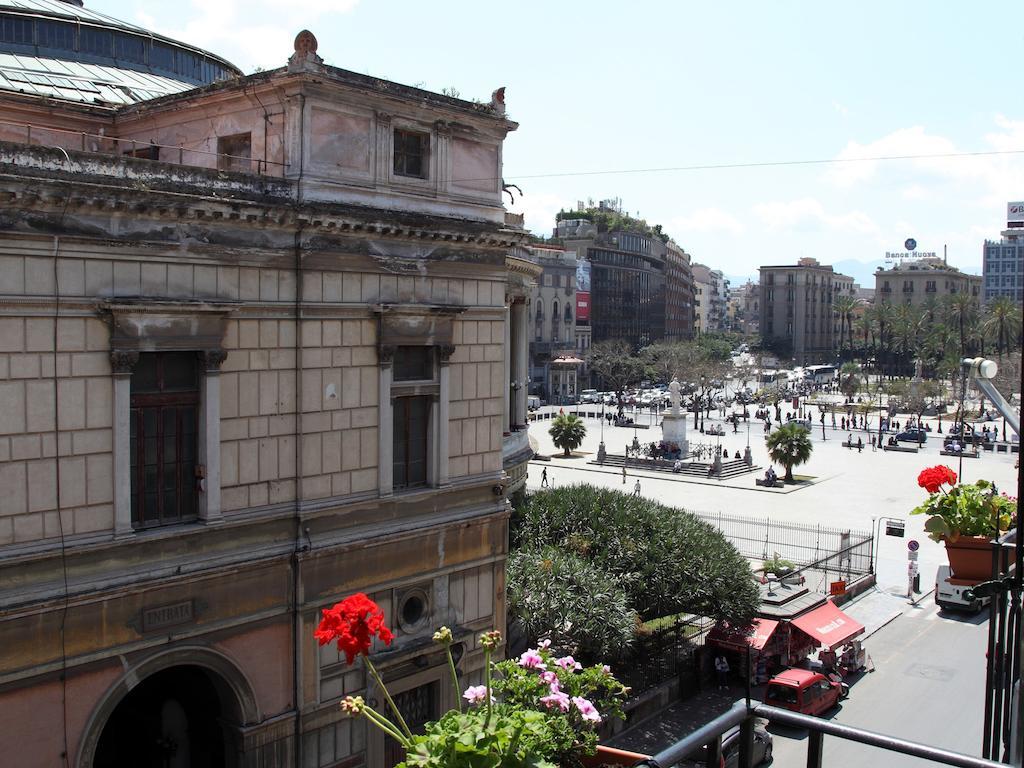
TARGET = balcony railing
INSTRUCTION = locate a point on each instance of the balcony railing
(81, 141)
(744, 713)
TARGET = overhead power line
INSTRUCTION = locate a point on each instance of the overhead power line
(764, 164)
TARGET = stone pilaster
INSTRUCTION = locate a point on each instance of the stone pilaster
(209, 444)
(445, 352)
(385, 417)
(122, 362)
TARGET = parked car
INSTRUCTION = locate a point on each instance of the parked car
(913, 435)
(588, 396)
(802, 690)
(731, 749)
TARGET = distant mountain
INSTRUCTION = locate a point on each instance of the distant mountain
(862, 272)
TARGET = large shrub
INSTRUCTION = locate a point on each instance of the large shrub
(663, 560)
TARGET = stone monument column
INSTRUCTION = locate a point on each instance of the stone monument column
(673, 424)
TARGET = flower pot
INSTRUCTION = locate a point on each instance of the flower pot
(611, 756)
(970, 557)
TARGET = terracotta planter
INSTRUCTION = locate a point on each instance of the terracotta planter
(612, 756)
(970, 558)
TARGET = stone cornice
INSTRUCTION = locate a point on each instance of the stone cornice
(65, 196)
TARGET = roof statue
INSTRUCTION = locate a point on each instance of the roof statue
(498, 100)
(305, 58)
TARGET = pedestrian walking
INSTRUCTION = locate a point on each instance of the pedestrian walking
(722, 672)
(636, 487)
(544, 478)
(860, 445)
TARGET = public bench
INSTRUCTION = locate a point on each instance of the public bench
(965, 454)
(762, 483)
(900, 448)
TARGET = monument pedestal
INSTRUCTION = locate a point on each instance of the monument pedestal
(673, 430)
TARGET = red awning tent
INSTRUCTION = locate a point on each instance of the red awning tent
(726, 637)
(828, 625)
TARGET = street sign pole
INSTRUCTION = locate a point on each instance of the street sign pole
(912, 568)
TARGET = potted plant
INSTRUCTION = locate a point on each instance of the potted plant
(966, 517)
(539, 711)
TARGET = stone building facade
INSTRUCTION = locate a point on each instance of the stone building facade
(552, 322)
(797, 316)
(258, 351)
(919, 281)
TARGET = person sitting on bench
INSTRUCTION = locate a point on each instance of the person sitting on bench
(770, 477)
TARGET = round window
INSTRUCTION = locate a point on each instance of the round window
(412, 611)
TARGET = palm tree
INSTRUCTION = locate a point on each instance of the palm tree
(1003, 320)
(844, 307)
(790, 446)
(866, 330)
(567, 432)
(960, 309)
(884, 315)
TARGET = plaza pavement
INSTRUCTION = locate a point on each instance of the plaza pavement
(851, 490)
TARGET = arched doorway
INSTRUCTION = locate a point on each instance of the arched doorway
(179, 717)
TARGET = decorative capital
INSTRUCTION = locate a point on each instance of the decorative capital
(123, 361)
(213, 359)
(445, 351)
(386, 354)
(383, 118)
(443, 128)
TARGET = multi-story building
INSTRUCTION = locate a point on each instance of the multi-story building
(745, 302)
(915, 281)
(796, 310)
(627, 291)
(553, 334)
(260, 348)
(679, 300)
(1003, 266)
(711, 291)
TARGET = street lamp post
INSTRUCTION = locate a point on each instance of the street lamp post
(879, 416)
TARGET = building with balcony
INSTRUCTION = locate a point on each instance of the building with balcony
(259, 350)
(917, 281)
(797, 317)
(711, 291)
(745, 302)
(679, 299)
(553, 313)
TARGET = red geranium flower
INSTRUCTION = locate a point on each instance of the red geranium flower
(353, 623)
(932, 478)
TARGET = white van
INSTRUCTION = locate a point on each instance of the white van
(532, 402)
(588, 396)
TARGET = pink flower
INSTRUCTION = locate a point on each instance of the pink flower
(559, 699)
(606, 669)
(586, 709)
(568, 662)
(476, 694)
(549, 677)
(545, 643)
(532, 660)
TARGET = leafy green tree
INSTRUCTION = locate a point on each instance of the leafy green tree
(845, 306)
(615, 365)
(790, 446)
(566, 598)
(567, 432)
(849, 379)
(664, 560)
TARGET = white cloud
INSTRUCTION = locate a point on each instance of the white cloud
(809, 214)
(705, 220)
(229, 28)
(539, 209)
(855, 167)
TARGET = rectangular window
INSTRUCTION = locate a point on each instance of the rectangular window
(411, 150)
(412, 423)
(55, 34)
(164, 433)
(93, 40)
(234, 153)
(414, 364)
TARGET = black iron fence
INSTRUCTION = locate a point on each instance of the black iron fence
(663, 654)
(1004, 699)
(841, 551)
